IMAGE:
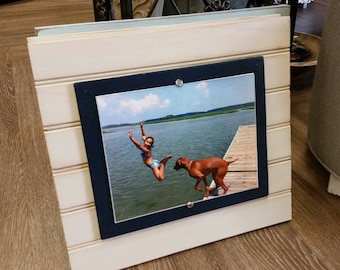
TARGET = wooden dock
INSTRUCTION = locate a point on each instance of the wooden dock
(242, 174)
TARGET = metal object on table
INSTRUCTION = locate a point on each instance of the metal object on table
(102, 10)
(126, 9)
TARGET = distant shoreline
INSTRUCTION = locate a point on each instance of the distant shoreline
(187, 116)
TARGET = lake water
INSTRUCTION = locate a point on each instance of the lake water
(135, 190)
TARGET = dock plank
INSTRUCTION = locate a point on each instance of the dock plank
(242, 174)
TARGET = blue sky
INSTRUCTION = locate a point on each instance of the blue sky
(135, 106)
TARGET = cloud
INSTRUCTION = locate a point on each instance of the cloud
(165, 103)
(148, 102)
(197, 103)
(101, 103)
(203, 87)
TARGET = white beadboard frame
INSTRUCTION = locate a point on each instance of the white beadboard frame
(60, 60)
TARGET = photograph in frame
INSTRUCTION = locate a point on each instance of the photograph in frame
(171, 144)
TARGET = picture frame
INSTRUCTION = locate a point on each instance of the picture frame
(127, 195)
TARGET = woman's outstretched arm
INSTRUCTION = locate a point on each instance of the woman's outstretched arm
(137, 143)
(143, 130)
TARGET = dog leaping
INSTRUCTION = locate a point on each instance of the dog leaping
(200, 169)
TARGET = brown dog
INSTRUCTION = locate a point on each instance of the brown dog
(200, 169)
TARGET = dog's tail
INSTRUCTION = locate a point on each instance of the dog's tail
(229, 161)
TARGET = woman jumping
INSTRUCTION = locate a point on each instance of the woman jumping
(156, 166)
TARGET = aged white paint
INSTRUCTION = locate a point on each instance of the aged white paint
(115, 253)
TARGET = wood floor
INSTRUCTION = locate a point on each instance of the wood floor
(30, 227)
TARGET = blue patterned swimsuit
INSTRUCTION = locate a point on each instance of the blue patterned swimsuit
(153, 164)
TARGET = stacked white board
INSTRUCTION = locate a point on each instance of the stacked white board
(64, 55)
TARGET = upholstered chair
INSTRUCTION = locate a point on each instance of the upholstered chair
(324, 118)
